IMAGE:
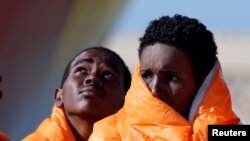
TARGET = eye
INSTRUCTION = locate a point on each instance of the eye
(146, 76)
(171, 77)
(108, 75)
(81, 71)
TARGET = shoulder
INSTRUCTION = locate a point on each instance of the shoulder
(106, 129)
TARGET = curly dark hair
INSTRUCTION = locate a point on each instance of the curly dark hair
(187, 34)
(126, 73)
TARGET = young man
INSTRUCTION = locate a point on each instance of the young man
(93, 87)
(177, 87)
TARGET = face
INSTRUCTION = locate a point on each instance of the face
(94, 86)
(168, 73)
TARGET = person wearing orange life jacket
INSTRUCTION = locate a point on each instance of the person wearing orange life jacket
(3, 137)
(177, 87)
(94, 85)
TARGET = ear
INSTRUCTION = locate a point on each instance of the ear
(58, 97)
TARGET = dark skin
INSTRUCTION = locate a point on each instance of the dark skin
(93, 90)
(168, 73)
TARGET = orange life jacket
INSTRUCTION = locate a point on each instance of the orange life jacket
(146, 118)
(55, 128)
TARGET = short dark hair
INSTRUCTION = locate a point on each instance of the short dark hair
(126, 73)
(187, 34)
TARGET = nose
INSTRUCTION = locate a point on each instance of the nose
(93, 79)
(156, 88)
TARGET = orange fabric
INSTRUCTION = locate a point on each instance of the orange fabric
(145, 117)
(55, 128)
(215, 107)
(3, 137)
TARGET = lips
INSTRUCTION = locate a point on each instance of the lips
(91, 91)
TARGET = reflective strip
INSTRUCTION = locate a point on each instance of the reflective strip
(202, 91)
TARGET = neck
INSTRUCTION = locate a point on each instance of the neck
(82, 128)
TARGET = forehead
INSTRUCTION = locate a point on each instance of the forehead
(99, 56)
(164, 55)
